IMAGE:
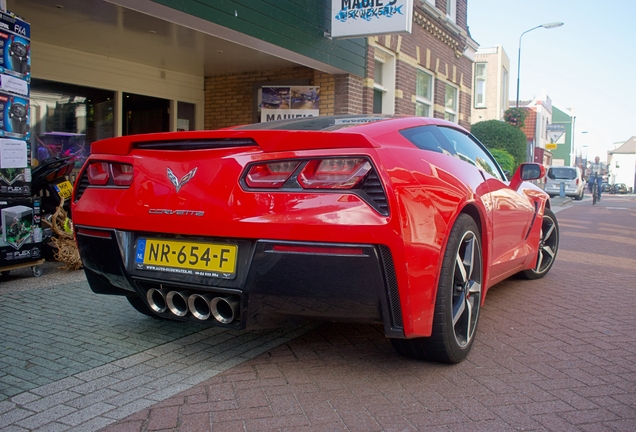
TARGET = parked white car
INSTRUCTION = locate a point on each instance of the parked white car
(572, 179)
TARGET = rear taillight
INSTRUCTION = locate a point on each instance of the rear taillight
(122, 174)
(342, 173)
(98, 173)
(105, 173)
(270, 175)
(333, 173)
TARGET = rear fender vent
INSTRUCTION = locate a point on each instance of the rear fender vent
(205, 144)
(371, 188)
(392, 287)
(80, 185)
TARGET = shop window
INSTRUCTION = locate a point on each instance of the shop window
(145, 114)
(66, 119)
(450, 105)
(480, 85)
(424, 94)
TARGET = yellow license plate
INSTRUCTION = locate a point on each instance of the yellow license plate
(64, 189)
(190, 258)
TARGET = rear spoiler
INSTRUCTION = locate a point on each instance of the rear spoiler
(266, 140)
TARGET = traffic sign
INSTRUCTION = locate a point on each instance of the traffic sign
(555, 131)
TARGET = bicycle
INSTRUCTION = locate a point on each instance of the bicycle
(594, 188)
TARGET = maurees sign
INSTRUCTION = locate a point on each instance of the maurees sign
(358, 18)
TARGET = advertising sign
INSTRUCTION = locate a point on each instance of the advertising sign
(287, 102)
(358, 18)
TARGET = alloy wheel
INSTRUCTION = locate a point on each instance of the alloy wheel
(466, 289)
(547, 245)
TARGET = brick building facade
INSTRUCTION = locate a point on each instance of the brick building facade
(439, 47)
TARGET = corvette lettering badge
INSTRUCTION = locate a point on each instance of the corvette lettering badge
(175, 181)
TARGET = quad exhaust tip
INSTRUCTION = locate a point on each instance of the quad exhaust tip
(156, 299)
(225, 310)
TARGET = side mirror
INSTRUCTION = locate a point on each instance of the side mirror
(532, 171)
(527, 172)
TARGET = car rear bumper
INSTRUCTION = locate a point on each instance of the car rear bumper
(276, 282)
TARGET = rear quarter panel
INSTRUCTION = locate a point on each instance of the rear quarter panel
(429, 190)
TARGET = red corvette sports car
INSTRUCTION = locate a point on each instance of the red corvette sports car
(399, 221)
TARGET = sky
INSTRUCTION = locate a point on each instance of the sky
(587, 65)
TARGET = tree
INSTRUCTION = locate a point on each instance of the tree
(495, 134)
(516, 116)
(504, 159)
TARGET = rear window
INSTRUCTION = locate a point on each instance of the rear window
(562, 173)
(321, 123)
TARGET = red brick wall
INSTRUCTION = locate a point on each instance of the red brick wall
(229, 99)
(447, 63)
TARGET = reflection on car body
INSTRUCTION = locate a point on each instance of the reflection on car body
(405, 222)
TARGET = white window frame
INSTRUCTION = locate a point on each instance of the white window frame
(451, 113)
(423, 100)
(480, 79)
(387, 87)
(504, 90)
(451, 9)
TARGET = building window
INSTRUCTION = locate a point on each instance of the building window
(424, 94)
(451, 9)
(504, 91)
(384, 83)
(480, 85)
(450, 103)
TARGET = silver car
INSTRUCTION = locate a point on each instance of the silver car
(572, 179)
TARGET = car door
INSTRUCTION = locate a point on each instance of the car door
(511, 211)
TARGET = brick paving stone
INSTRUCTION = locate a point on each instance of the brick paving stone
(552, 354)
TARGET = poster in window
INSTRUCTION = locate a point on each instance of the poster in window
(287, 102)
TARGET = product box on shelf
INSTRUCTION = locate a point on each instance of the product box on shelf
(21, 239)
(15, 46)
(14, 117)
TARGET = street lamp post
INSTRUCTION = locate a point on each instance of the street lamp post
(546, 26)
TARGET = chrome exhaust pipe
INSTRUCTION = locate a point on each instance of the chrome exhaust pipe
(156, 299)
(177, 303)
(224, 309)
(199, 306)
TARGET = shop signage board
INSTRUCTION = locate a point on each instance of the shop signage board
(360, 18)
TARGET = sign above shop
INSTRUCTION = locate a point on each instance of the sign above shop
(359, 18)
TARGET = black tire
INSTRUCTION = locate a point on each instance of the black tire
(141, 306)
(458, 300)
(548, 247)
